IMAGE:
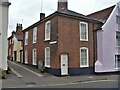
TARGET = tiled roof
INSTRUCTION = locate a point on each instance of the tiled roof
(75, 14)
(102, 14)
(66, 12)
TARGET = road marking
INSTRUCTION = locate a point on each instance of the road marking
(63, 84)
(16, 73)
(27, 69)
(99, 81)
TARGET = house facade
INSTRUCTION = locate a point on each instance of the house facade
(4, 9)
(10, 48)
(15, 45)
(108, 42)
(63, 42)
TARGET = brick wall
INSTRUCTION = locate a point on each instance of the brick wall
(69, 40)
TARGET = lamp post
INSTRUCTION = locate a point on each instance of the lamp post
(4, 9)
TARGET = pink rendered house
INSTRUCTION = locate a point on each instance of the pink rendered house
(108, 43)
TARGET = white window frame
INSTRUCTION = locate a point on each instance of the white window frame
(47, 31)
(117, 42)
(10, 41)
(118, 19)
(47, 58)
(34, 35)
(9, 51)
(26, 38)
(116, 62)
(86, 57)
(34, 57)
(81, 39)
(26, 56)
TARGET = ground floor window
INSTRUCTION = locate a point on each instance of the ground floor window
(117, 61)
(84, 62)
(26, 56)
(47, 57)
(34, 57)
(9, 51)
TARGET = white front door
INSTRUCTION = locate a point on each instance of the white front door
(64, 64)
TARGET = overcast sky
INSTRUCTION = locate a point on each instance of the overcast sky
(27, 12)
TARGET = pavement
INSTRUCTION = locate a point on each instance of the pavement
(22, 76)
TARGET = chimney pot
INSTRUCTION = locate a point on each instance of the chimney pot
(19, 27)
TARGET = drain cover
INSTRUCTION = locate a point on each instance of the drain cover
(30, 83)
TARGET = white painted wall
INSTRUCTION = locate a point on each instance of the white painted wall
(106, 41)
(17, 47)
(3, 36)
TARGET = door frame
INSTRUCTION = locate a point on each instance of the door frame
(21, 56)
(67, 63)
(15, 55)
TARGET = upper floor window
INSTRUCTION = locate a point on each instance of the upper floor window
(118, 39)
(35, 35)
(26, 38)
(83, 31)
(47, 30)
(10, 41)
(84, 59)
(118, 19)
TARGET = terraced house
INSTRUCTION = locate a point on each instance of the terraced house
(108, 42)
(15, 45)
(62, 42)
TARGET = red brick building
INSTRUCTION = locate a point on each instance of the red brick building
(63, 42)
(10, 48)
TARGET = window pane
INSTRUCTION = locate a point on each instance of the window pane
(118, 19)
(117, 61)
(26, 38)
(47, 56)
(34, 57)
(83, 58)
(47, 30)
(83, 31)
(26, 56)
(118, 39)
(34, 35)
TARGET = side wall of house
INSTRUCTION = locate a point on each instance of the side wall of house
(69, 43)
(17, 47)
(109, 49)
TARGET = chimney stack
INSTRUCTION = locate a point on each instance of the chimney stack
(62, 4)
(42, 16)
(19, 27)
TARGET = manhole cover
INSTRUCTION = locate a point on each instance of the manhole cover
(90, 77)
(30, 83)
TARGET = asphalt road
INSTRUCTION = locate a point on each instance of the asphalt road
(22, 77)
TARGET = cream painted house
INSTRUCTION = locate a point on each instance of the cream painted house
(15, 44)
(4, 9)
